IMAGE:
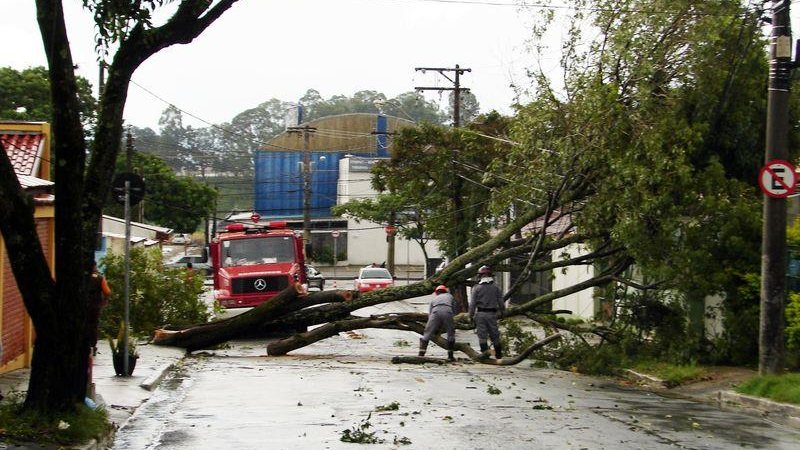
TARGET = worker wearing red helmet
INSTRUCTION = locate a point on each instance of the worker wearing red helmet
(486, 305)
(440, 316)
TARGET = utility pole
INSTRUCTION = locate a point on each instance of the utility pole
(457, 89)
(391, 235)
(459, 229)
(306, 130)
(773, 244)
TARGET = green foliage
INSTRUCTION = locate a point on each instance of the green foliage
(781, 388)
(793, 328)
(359, 434)
(176, 202)
(672, 374)
(426, 169)
(394, 406)
(30, 89)
(409, 105)
(493, 390)
(158, 295)
(78, 426)
(740, 317)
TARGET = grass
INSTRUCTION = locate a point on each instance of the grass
(672, 374)
(781, 388)
(19, 426)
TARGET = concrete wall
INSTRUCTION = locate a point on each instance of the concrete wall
(582, 304)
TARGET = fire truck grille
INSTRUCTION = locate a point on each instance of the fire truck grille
(254, 285)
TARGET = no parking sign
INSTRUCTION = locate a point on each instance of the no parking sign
(778, 179)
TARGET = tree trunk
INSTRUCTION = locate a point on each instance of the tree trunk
(217, 332)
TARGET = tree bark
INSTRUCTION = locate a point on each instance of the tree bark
(214, 333)
(57, 303)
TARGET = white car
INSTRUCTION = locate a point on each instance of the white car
(181, 238)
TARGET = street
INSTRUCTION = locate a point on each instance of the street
(240, 398)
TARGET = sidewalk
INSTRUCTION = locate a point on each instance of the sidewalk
(718, 388)
(120, 395)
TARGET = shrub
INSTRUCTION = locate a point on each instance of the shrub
(781, 388)
(158, 295)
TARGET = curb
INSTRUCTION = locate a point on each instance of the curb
(767, 407)
(636, 376)
(153, 380)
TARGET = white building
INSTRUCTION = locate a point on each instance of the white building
(366, 241)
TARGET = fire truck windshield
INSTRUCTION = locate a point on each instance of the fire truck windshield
(263, 250)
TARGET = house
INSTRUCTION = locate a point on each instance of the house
(27, 145)
(112, 238)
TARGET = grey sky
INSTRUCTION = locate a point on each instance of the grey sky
(262, 49)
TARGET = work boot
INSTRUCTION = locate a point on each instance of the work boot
(423, 346)
(484, 347)
(498, 351)
(451, 345)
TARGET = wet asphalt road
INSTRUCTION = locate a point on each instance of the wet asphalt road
(238, 398)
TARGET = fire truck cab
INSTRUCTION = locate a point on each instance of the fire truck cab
(252, 263)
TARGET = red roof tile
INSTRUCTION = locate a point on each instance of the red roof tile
(24, 151)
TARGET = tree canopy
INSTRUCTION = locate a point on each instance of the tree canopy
(127, 35)
(25, 95)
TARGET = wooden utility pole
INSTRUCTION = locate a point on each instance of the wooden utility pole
(306, 130)
(459, 237)
(773, 259)
(457, 89)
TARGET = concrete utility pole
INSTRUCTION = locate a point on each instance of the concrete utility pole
(773, 244)
(459, 238)
(390, 235)
(306, 130)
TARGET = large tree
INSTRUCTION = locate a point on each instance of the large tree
(25, 95)
(637, 155)
(128, 36)
(173, 201)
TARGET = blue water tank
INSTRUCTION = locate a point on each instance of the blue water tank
(279, 183)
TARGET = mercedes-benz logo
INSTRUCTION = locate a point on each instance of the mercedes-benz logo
(260, 284)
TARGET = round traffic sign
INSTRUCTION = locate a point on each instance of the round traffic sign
(335, 233)
(136, 188)
(778, 178)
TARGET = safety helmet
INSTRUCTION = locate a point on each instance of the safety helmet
(485, 270)
(440, 288)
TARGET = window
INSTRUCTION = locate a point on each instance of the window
(265, 250)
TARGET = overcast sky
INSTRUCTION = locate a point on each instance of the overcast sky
(262, 49)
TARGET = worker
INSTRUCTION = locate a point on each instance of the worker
(440, 316)
(486, 305)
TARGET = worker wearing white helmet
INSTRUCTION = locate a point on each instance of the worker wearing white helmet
(485, 307)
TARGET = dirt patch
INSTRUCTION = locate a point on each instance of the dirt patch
(716, 378)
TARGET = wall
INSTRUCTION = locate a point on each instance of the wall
(582, 304)
(17, 329)
(366, 241)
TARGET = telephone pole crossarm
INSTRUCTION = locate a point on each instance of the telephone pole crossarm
(306, 130)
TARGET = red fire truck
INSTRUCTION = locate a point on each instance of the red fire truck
(252, 263)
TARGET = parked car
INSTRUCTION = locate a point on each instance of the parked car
(315, 278)
(199, 263)
(181, 239)
(371, 278)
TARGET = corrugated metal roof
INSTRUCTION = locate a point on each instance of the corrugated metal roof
(29, 182)
(24, 150)
(139, 224)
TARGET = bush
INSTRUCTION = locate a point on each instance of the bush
(158, 295)
(781, 388)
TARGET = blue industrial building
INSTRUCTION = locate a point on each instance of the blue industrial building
(279, 183)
